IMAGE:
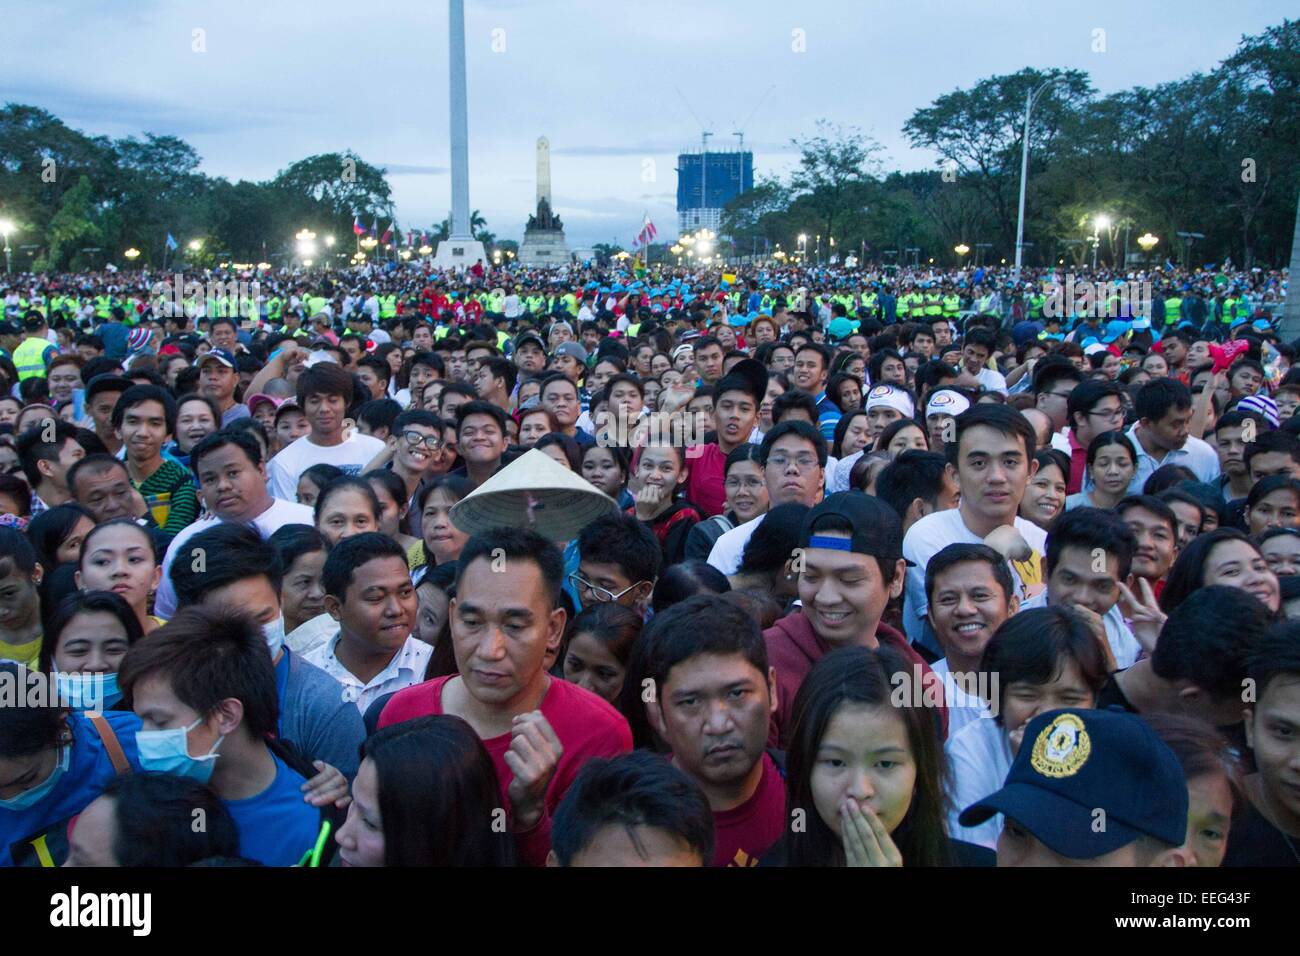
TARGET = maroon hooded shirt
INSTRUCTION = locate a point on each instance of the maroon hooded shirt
(793, 647)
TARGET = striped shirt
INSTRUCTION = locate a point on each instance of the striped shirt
(170, 496)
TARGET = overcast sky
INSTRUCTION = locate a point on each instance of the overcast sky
(619, 87)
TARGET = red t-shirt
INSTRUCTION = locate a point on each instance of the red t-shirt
(586, 725)
(745, 833)
(1078, 464)
(705, 486)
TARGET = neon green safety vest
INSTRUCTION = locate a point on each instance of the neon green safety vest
(29, 358)
(1173, 310)
(387, 306)
(952, 305)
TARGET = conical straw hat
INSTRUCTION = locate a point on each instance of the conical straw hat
(537, 492)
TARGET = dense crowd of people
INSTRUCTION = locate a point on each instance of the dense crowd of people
(889, 567)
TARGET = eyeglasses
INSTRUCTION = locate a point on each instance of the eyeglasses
(1112, 414)
(802, 462)
(603, 595)
(752, 483)
(1064, 395)
(413, 438)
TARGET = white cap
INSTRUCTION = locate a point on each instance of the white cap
(946, 402)
(890, 397)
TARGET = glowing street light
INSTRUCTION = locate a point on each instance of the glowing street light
(1147, 242)
(195, 245)
(132, 253)
(425, 249)
(961, 248)
(6, 227)
(329, 241)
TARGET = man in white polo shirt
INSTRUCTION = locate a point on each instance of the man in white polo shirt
(1164, 407)
(976, 347)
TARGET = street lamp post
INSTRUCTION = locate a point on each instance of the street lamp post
(1030, 100)
(7, 227)
(1101, 222)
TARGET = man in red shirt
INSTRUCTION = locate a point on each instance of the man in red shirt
(851, 559)
(711, 699)
(538, 730)
(1094, 407)
(736, 398)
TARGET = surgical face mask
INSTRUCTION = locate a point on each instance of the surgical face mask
(273, 631)
(167, 751)
(29, 798)
(88, 691)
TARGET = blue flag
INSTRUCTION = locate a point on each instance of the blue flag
(171, 243)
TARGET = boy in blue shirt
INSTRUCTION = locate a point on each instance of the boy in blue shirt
(204, 689)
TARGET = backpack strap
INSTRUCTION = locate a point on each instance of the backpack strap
(111, 744)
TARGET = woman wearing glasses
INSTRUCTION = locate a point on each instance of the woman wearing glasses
(747, 498)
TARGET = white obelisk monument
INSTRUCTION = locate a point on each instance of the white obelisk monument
(460, 249)
(544, 243)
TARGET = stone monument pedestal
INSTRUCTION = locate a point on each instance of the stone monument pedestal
(544, 247)
(459, 254)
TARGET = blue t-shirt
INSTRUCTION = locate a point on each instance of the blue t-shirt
(38, 836)
(113, 335)
(277, 826)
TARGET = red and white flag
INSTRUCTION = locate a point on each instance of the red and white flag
(647, 233)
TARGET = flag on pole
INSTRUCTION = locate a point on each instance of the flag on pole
(374, 228)
(647, 233)
(171, 243)
(357, 228)
(388, 233)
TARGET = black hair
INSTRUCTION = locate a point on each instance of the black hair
(632, 791)
(1167, 475)
(231, 552)
(774, 539)
(1160, 395)
(516, 544)
(954, 554)
(1052, 369)
(139, 394)
(504, 369)
(49, 529)
(347, 483)
(417, 416)
(615, 626)
(1085, 396)
(458, 485)
(857, 676)
(155, 816)
(569, 446)
(684, 579)
(1208, 637)
(378, 413)
(802, 429)
(220, 439)
(1272, 441)
(1106, 439)
(208, 655)
(1155, 506)
(325, 378)
(32, 447)
(702, 624)
(1001, 418)
(1276, 655)
(438, 791)
(912, 474)
(622, 540)
(1269, 484)
(893, 428)
(85, 602)
(790, 399)
(1091, 529)
(291, 541)
(1033, 646)
(351, 553)
(480, 407)
(1188, 571)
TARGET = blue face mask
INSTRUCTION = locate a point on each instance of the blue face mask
(29, 798)
(88, 691)
(167, 751)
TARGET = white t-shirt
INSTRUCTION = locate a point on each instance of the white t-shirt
(992, 380)
(963, 707)
(935, 532)
(979, 759)
(730, 548)
(267, 523)
(351, 455)
(1122, 643)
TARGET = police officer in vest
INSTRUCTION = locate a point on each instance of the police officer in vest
(36, 350)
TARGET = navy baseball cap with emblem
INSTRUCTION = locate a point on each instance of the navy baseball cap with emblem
(1074, 763)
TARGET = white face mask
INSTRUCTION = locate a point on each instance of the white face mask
(273, 631)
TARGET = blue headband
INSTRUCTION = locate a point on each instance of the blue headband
(834, 544)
